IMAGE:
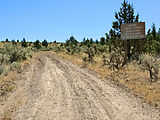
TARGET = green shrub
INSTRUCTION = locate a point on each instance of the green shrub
(6, 70)
(6, 59)
(24, 53)
(30, 55)
(12, 53)
(151, 64)
(101, 49)
(78, 50)
(68, 49)
(15, 66)
(56, 49)
(90, 53)
(116, 59)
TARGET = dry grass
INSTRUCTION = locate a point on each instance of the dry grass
(131, 77)
(7, 116)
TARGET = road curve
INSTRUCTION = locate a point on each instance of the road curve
(54, 89)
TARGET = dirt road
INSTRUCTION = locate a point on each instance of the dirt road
(54, 89)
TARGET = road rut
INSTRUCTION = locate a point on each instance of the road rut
(54, 89)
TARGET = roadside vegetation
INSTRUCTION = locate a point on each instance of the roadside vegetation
(138, 69)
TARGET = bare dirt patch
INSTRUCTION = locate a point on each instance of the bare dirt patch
(54, 89)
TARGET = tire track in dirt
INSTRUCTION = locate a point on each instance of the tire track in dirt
(57, 93)
(81, 90)
(54, 89)
(117, 108)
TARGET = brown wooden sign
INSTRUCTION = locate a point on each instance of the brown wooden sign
(133, 31)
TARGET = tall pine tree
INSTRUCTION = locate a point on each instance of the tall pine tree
(154, 31)
(125, 15)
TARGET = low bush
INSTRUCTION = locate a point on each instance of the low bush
(150, 64)
(15, 66)
(6, 70)
(117, 59)
(12, 53)
(90, 53)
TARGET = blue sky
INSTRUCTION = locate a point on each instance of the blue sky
(59, 19)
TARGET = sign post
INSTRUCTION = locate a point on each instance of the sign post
(130, 32)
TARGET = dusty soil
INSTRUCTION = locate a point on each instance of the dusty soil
(51, 88)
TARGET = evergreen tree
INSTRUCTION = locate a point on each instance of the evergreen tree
(71, 45)
(14, 42)
(24, 43)
(97, 42)
(83, 42)
(37, 44)
(102, 40)
(152, 42)
(149, 32)
(159, 35)
(7, 40)
(45, 43)
(159, 31)
(91, 41)
(125, 15)
(154, 31)
(71, 41)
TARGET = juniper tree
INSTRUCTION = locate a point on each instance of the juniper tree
(152, 42)
(71, 41)
(37, 44)
(154, 31)
(125, 15)
(14, 42)
(97, 41)
(24, 43)
(149, 32)
(159, 31)
(71, 45)
(45, 43)
(102, 40)
(7, 40)
(91, 41)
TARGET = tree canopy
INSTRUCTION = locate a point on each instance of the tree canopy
(126, 14)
